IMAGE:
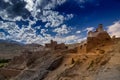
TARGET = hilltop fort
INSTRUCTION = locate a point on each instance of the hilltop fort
(95, 39)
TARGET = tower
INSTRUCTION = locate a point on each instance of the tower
(100, 28)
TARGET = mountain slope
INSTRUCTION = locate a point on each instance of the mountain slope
(9, 49)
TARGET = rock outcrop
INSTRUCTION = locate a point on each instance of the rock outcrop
(55, 64)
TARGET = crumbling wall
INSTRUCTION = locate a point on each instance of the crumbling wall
(54, 46)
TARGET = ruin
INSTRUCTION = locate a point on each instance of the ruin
(97, 32)
(55, 46)
(95, 38)
(98, 37)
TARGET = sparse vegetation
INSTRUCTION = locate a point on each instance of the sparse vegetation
(3, 62)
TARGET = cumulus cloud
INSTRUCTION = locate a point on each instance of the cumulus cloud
(114, 29)
(78, 32)
(52, 18)
(67, 39)
(29, 5)
(28, 35)
(42, 10)
(62, 30)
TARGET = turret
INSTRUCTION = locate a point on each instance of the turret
(100, 28)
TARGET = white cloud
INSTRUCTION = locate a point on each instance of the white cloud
(38, 27)
(28, 35)
(53, 18)
(10, 27)
(51, 3)
(69, 39)
(6, 0)
(47, 25)
(39, 10)
(29, 5)
(62, 30)
(114, 29)
(66, 39)
(78, 32)
(43, 31)
(89, 29)
(69, 16)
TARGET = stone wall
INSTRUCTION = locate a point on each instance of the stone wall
(54, 46)
(96, 32)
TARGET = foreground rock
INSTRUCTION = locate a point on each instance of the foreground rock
(55, 64)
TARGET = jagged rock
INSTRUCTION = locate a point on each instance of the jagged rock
(55, 64)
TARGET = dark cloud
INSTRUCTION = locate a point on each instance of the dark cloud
(3, 4)
(18, 9)
(15, 8)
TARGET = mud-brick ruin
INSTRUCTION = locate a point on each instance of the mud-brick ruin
(55, 46)
(95, 38)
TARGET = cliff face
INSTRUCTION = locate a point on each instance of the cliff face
(94, 59)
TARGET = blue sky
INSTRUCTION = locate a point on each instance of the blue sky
(39, 21)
